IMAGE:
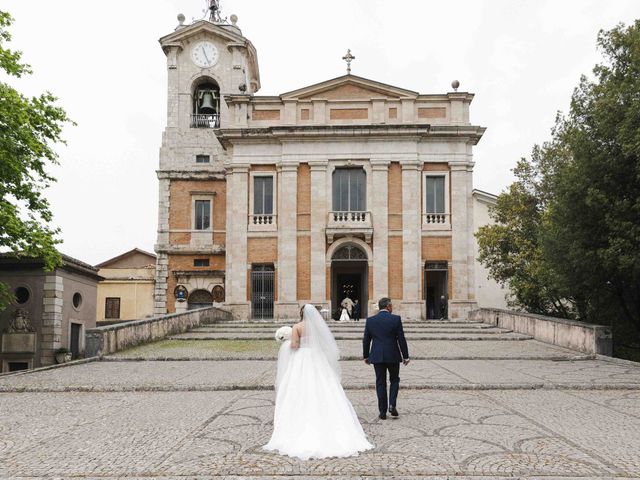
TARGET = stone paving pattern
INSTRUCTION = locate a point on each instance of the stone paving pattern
(464, 415)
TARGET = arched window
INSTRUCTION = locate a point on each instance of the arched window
(349, 252)
(206, 105)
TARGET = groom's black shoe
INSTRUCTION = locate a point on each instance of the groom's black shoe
(393, 411)
(382, 416)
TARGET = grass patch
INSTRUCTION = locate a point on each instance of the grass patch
(201, 347)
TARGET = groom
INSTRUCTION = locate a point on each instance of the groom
(389, 348)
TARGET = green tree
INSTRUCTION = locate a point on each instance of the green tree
(593, 233)
(29, 130)
(567, 232)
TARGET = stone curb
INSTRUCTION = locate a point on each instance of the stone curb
(377, 476)
(80, 361)
(576, 358)
(368, 386)
(619, 361)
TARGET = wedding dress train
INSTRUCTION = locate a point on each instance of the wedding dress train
(313, 417)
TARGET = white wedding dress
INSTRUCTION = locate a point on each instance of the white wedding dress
(313, 417)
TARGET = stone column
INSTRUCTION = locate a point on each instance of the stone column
(236, 242)
(287, 305)
(52, 304)
(319, 212)
(460, 301)
(380, 217)
(162, 262)
(411, 305)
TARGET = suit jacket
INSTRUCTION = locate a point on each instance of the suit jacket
(383, 334)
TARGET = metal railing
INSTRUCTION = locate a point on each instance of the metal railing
(208, 120)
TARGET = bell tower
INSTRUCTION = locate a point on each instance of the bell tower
(206, 61)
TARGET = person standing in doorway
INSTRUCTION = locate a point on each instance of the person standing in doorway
(356, 310)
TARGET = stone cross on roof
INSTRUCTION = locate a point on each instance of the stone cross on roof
(348, 58)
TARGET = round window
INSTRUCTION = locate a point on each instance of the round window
(77, 300)
(22, 295)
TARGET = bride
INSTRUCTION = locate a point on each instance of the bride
(313, 417)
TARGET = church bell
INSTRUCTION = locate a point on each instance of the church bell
(207, 100)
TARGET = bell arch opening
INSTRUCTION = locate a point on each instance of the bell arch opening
(205, 98)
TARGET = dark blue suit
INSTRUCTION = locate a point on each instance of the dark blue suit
(385, 347)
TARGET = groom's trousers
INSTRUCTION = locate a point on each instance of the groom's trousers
(381, 384)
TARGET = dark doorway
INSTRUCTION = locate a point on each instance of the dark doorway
(76, 329)
(200, 299)
(349, 278)
(435, 282)
(262, 291)
(17, 366)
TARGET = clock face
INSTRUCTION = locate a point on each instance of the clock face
(204, 54)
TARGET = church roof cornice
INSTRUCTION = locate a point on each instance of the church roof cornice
(228, 137)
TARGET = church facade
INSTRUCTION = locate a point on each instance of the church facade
(346, 188)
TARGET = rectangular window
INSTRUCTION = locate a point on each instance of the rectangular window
(435, 194)
(263, 195)
(112, 307)
(349, 190)
(201, 262)
(202, 158)
(203, 214)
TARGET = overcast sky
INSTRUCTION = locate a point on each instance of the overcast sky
(522, 59)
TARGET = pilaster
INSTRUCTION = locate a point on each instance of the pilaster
(462, 298)
(318, 236)
(287, 305)
(236, 245)
(380, 217)
(411, 305)
(52, 303)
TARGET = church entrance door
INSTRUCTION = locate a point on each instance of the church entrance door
(435, 282)
(349, 278)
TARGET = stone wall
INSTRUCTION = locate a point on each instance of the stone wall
(113, 338)
(583, 337)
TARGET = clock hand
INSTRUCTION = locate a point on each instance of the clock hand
(205, 55)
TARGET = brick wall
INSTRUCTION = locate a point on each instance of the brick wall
(185, 263)
(394, 185)
(304, 268)
(395, 267)
(180, 208)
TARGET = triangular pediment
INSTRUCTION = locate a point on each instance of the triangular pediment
(349, 87)
(135, 258)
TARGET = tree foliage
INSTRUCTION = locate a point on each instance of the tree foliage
(29, 130)
(567, 232)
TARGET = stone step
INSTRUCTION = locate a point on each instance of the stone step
(338, 336)
(353, 330)
(334, 324)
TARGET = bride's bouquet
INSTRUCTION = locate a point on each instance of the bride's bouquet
(283, 333)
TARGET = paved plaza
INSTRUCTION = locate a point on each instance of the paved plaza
(200, 406)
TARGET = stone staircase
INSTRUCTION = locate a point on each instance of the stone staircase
(354, 330)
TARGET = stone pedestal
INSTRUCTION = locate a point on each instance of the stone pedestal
(240, 311)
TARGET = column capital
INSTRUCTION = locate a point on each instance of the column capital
(380, 165)
(411, 165)
(318, 165)
(288, 167)
(237, 167)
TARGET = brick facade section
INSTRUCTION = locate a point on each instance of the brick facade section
(303, 284)
(304, 198)
(395, 267)
(265, 115)
(438, 112)
(349, 114)
(185, 263)
(180, 209)
(305, 114)
(394, 205)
